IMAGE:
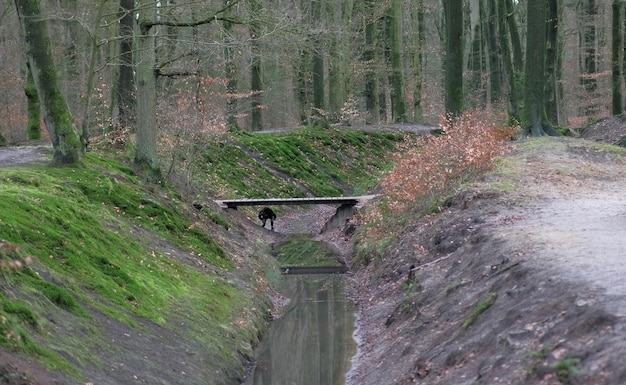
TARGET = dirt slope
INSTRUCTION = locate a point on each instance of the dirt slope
(517, 282)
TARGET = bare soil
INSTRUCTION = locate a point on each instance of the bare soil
(518, 281)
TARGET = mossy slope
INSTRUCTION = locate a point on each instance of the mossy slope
(108, 280)
(88, 250)
(305, 161)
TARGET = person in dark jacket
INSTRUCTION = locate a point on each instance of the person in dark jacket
(267, 214)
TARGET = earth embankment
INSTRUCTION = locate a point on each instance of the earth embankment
(516, 282)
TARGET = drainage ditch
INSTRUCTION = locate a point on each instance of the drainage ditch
(312, 343)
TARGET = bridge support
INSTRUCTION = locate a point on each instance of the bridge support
(343, 214)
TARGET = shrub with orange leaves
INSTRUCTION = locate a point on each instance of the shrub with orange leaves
(427, 167)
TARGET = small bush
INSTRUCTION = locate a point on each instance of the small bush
(566, 369)
(428, 168)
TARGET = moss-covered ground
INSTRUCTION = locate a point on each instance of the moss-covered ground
(305, 161)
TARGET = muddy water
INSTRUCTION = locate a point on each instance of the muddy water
(312, 343)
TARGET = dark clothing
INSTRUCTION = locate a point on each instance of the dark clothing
(265, 214)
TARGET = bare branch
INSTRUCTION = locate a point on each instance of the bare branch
(147, 24)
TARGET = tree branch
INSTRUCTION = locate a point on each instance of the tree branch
(147, 24)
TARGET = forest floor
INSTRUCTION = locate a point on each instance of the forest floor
(518, 281)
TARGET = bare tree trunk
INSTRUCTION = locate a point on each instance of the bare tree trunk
(123, 98)
(93, 45)
(416, 42)
(534, 119)
(477, 57)
(66, 142)
(145, 67)
(34, 106)
(553, 72)
(396, 45)
(588, 59)
(231, 74)
(495, 54)
(516, 41)
(617, 53)
(338, 74)
(454, 57)
(370, 58)
(319, 81)
(303, 86)
(256, 85)
(507, 63)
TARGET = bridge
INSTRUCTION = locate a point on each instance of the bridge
(343, 201)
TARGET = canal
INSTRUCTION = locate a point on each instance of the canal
(312, 343)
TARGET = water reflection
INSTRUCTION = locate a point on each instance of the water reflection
(312, 343)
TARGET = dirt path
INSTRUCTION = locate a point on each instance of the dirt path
(575, 221)
(583, 237)
(24, 155)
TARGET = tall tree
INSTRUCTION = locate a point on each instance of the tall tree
(396, 46)
(318, 58)
(477, 58)
(370, 59)
(123, 90)
(302, 85)
(516, 41)
(553, 63)
(495, 54)
(230, 68)
(416, 43)
(66, 141)
(256, 84)
(145, 64)
(145, 67)
(617, 56)
(340, 14)
(507, 62)
(588, 57)
(453, 67)
(534, 118)
(93, 54)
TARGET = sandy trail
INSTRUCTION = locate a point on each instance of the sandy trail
(575, 224)
(583, 238)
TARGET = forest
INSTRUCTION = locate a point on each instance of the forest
(153, 76)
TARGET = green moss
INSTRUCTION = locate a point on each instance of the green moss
(18, 320)
(80, 222)
(21, 309)
(479, 309)
(325, 160)
(59, 296)
(297, 163)
(303, 251)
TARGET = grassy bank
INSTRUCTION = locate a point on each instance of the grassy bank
(92, 254)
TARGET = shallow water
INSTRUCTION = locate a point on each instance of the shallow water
(312, 344)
